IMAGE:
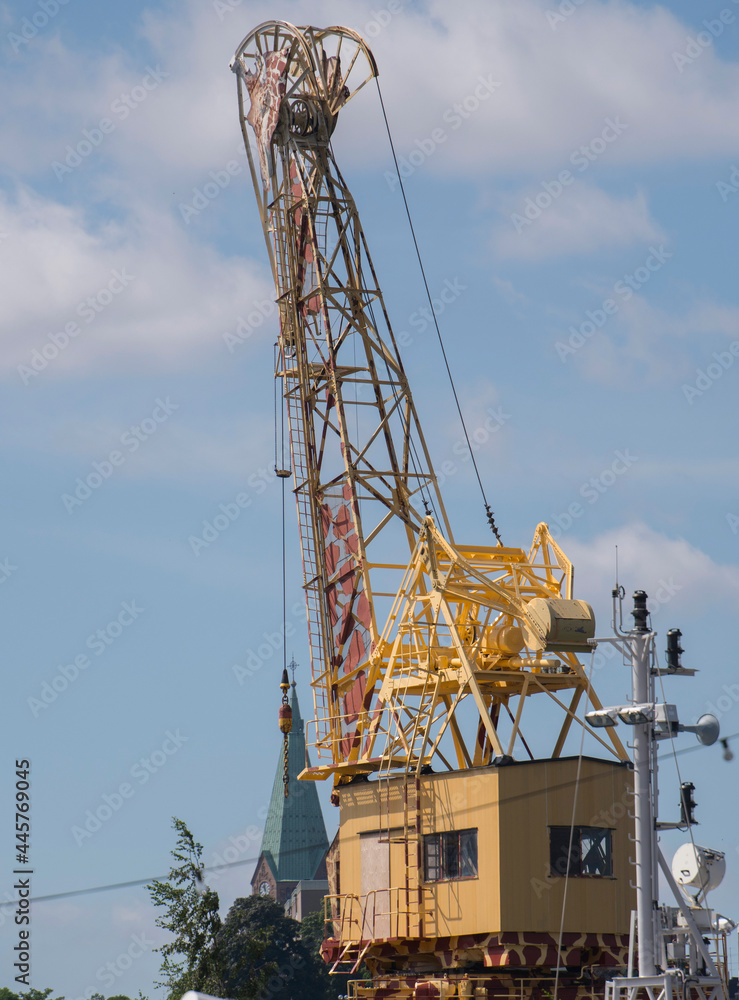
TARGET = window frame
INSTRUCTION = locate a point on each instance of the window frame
(605, 833)
(439, 845)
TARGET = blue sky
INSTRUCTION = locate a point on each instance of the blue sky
(597, 329)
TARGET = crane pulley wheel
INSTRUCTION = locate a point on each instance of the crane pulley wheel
(310, 52)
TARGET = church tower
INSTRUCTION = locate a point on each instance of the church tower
(292, 858)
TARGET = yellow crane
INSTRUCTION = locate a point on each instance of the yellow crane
(457, 847)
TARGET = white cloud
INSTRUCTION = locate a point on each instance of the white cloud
(670, 570)
(508, 292)
(160, 439)
(582, 219)
(646, 344)
(139, 293)
(556, 89)
(232, 450)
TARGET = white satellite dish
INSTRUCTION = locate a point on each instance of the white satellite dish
(698, 868)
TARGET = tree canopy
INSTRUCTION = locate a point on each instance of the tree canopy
(256, 953)
(191, 960)
(264, 954)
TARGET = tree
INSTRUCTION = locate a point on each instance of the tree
(256, 953)
(336, 985)
(37, 994)
(311, 931)
(192, 916)
(264, 955)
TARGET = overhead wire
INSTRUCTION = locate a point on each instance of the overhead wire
(132, 883)
(572, 836)
(489, 513)
(698, 746)
(517, 797)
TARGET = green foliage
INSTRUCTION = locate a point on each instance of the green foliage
(256, 953)
(311, 931)
(37, 994)
(191, 960)
(265, 956)
(6, 994)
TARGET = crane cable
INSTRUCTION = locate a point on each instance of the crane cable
(488, 511)
(570, 845)
(285, 713)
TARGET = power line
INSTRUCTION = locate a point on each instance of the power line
(146, 881)
(252, 860)
(698, 746)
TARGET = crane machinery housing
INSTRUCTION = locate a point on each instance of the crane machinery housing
(457, 844)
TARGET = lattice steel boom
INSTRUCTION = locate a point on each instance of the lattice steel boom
(373, 529)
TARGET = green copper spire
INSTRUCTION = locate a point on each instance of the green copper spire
(294, 839)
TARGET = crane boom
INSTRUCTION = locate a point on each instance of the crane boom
(360, 462)
(421, 646)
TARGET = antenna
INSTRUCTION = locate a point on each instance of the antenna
(617, 594)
